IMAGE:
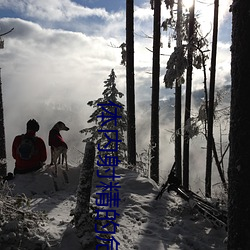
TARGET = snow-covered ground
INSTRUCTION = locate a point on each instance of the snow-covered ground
(144, 223)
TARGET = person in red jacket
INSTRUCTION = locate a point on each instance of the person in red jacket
(29, 150)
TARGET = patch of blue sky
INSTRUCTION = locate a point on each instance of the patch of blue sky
(75, 24)
(108, 5)
(8, 13)
(89, 25)
(225, 30)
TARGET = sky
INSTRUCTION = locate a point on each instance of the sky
(61, 51)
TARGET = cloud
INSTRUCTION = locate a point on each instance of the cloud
(53, 65)
(43, 59)
(143, 12)
(51, 75)
(56, 10)
(205, 13)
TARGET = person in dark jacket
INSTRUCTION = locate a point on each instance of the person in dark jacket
(29, 150)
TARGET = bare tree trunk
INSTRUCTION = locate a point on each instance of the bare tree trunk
(82, 218)
(3, 161)
(218, 164)
(188, 98)
(211, 102)
(239, 159)
(178, 157)
(131, 131)
(154, 169)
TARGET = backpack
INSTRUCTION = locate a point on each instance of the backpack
(26, 148)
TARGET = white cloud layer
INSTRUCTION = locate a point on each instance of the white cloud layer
(55, 63)
(46, 69)
(52, 10)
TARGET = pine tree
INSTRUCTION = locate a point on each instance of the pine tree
(3, 161)
(130, 86)
(238, 170)
(189, 52)
(106, 109)
(186, 145)
(3, 164)
(154, 168)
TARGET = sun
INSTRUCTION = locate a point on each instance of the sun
(188, 3)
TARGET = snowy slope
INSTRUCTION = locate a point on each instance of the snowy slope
(144, 223)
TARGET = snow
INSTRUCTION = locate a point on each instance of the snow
(144, 223)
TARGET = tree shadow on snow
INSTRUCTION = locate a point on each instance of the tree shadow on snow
(164, 224)
(172, 225)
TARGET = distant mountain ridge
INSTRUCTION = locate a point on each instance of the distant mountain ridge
(167, 106)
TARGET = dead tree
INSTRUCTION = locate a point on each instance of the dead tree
(83, 221)
(211, 102)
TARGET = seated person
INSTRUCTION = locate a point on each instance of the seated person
(28, 150)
